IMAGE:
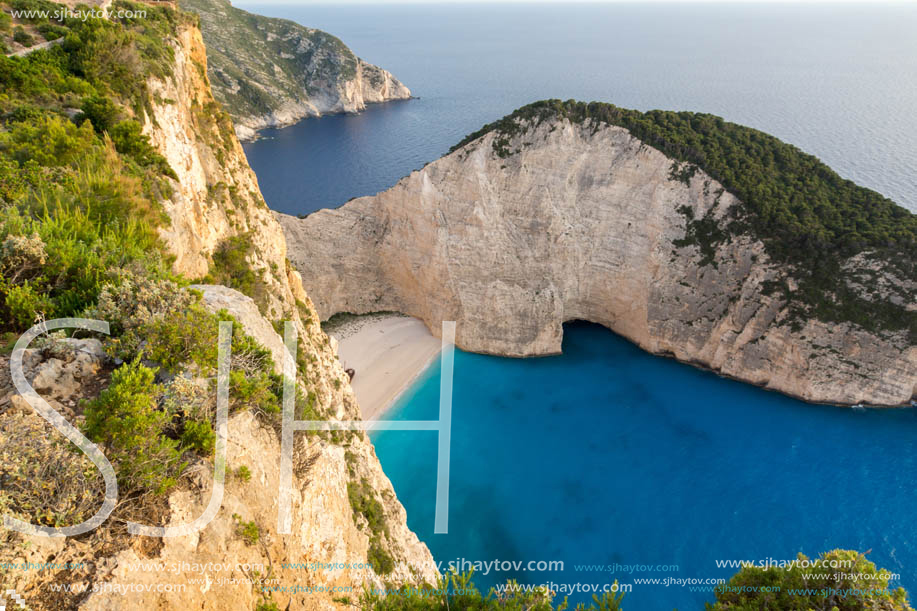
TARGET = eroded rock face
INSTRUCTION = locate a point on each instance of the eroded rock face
(217, 196)
(581, 222)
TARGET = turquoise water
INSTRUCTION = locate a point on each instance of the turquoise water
(607, 455)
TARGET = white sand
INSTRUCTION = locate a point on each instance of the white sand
(388, 352)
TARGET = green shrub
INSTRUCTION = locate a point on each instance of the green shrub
(189, 337)
(135, 300)
(381, 561)
(50, 141)
(25, 306)
(199, 436)
(231, 267)
(852, 588)
(243, 473)
(6, 21)
(51, 31)
(131, 141)
(102, 112)
(125, 418)
(363, 502)
(248, 531)
(27, 113)
(457, 591)
(22, 37)
(79, 254)
(266, 605)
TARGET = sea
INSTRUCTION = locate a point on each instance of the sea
(838, 81)
(620, 465)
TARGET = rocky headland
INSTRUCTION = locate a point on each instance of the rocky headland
(561, 212)
(270, 72)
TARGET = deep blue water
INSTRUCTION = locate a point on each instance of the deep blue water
(839, 81)
(607, 454)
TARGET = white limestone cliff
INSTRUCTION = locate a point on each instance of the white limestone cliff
(580, 222)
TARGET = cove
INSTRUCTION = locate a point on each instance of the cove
(608, 455)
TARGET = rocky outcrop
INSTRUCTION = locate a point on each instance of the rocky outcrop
(566, 221)
(271, 72)
(214, 568)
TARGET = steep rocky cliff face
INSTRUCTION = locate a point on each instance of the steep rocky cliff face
(216, 197)
(271, 72)
(513, 234)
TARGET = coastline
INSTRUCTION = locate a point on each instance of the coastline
(388, 351)
(249, 129)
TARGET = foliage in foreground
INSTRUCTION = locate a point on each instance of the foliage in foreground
(858, 587)
(125, 418)
(79, 193)
(42, 478)
(457, 591)
(79, 236)
(146, 426)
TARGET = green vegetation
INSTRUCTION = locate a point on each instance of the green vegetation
(243, 473)
(199, 436)
(78, 199)
(108, 57)
(247, 531)
(146, 427)
(861, 587)
(853, 588)
(364, 503)
(129, 140)
(125, 418)
(50, 31)
(79, 221)
(457, 591)
(157, 321)
(809, 218)
(257, 64)
(231, 268)
(266, 605)
(179, 333)
(22, 37)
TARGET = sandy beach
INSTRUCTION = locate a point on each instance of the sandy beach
(388, 352)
